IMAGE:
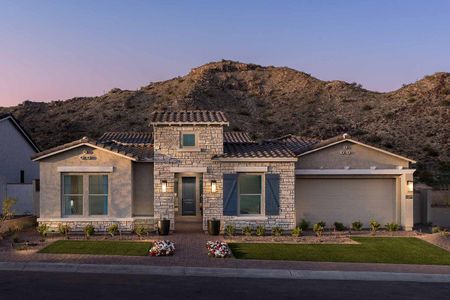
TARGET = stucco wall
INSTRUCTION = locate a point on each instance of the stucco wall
(15, 153)
(120, 181)
(142, 189)
(355, 156)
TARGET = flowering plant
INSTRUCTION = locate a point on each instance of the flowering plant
(162, 248)
(218, 249)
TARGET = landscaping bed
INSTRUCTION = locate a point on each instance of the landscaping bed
(126, 248)
(391, 250)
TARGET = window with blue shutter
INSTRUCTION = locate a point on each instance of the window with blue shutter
(272, 194)
(230, 194)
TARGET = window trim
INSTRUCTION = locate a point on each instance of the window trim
(263, 195)
(195, 134)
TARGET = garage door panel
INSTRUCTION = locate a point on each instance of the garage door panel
(345, 200)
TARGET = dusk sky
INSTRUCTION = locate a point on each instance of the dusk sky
(52, 50)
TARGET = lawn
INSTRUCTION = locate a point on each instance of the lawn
(389, 250)
(127, 248)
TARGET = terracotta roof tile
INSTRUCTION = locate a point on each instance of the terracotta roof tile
(295, 143)
(265, 150)
(188, 117)
(237, 137)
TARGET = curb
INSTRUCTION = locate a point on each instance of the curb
(222, 272)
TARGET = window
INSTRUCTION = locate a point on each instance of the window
(250, 194)
(73, 194)
(98, 194)
(22, 176)
(188, 140)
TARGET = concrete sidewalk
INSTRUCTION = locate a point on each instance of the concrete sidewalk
(222, 272)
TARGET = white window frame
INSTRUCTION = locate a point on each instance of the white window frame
(263, 202)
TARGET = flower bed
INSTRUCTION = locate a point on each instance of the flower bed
(218, 249)
(162, 248)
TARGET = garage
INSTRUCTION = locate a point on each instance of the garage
(345, 199)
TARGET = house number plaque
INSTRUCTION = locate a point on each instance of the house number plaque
(346, 150)
(85, 155)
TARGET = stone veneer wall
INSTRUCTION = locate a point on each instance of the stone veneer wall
(101, 225)
(168, 155)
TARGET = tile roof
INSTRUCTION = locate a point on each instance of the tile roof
(188, 117)
(254, 150)
(127, 138)
(295, 143)
(237, 137)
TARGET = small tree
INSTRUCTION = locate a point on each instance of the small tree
(43, 230)
(318, 228)
(374, 226)
(7, 211)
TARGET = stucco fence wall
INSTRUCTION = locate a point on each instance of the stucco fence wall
(432, 206)
(25, 194)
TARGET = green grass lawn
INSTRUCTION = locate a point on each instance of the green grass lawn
(127, 248)
(389, 250)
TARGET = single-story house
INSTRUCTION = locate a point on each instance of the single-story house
(188, 167)
(18, 173)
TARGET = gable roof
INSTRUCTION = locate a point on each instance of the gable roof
(193, 117)
(135, 152)
(346, 138)
(256, 151)
(21, 130)
(237, 137)
(295, 143)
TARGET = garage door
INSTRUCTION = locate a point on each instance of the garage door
(345, 200)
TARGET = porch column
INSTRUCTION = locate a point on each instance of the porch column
(406, 203)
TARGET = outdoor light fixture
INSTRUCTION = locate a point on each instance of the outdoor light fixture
(213, 186)
(410, 186)
(164, 186)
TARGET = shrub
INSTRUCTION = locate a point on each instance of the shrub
(230, 230)
(88, 230)
(140, 230)
(113, 229)
(260, 230)
(357, 225)
(247, 231)
(7, 212)
(435, 229)
(374, 226)
(322, 223)
(277, 231)
(339, 226)
(297, 231)
(43, 230)
(318, 229)
(392, 226)
(444, 233)
(304, 224)
(64, 229)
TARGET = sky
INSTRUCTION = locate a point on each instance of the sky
(55, 50)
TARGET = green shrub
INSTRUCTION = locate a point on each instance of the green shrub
(43, 230)
(357, 225)
(247, 231)
(64, 229)
(322, 223)
(7, 211)
(260, 230)
(435, 229)
(339, 226)
(444, 233)
(230, 230)
(392, 226)
(277, 231)
(140, 230)
(297, 231)
(374, 226)
(113, 229)
(318, 229)
(304, 224)
(89, 230)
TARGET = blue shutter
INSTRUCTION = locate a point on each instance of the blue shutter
(272, 194)
(230, 194)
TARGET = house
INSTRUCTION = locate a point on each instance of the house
(17, 170)
(188, 167)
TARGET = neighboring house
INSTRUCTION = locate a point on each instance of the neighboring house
(189, 168)
(17, 170)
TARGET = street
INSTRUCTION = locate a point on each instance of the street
(45, 285)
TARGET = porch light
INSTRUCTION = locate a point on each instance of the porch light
(410, 186)
(213, 186)
(164, 186)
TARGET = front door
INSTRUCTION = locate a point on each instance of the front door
(188, 196)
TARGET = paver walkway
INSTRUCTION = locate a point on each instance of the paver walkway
(190, 242)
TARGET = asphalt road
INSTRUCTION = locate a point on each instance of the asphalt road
(44, 285)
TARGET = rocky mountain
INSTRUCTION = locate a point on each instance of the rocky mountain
(267, 102)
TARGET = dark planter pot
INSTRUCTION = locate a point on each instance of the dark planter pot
(163, 227)
(214, 227)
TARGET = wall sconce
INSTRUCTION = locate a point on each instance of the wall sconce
(213, 186)
(164, 186)
(410, 186)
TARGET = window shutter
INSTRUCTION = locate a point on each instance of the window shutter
(230, 194)
(272, 194)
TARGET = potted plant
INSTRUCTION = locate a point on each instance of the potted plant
(163, 227)
(214, 226)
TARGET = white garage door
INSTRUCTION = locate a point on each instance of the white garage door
(345, 200)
